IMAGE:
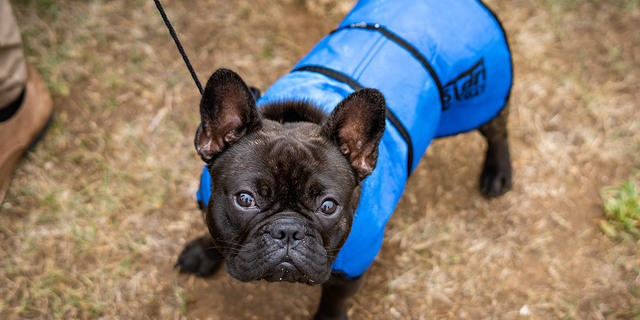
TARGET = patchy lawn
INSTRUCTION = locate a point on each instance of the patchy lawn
(97, 214)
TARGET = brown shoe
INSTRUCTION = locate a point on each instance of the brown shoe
(24, 128)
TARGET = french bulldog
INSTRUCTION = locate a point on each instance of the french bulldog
(294, 182)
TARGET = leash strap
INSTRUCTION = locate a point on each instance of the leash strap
(175, 39)
(341, 77)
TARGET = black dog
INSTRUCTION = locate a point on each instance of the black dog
(287, 177)
(286, 183)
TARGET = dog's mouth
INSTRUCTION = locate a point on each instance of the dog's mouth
(284, 251)
(286, 271)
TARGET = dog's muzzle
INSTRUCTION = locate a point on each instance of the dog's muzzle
(289, 235)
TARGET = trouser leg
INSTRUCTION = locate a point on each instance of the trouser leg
(13, 69)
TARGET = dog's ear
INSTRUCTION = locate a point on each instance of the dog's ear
(227, 111)
(356, 126)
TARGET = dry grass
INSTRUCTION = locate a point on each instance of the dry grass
(97, 214)
(333, 8)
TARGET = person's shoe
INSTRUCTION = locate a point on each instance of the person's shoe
(25, 127)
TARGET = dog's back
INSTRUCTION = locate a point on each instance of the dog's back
(443, 66)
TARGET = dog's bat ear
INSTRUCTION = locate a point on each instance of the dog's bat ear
(227, 111)
(356, 126)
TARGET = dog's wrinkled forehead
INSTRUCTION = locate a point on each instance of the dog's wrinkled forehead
(286, 158)
(289, 157)
(295, 152)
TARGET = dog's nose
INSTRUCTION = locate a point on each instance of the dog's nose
(287, 232)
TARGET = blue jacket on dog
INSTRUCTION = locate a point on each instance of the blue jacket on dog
(444, 68)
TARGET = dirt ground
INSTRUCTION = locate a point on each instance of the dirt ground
(97, 214)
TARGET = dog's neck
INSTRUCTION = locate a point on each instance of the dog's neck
(293, 111)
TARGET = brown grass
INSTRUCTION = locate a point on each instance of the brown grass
(97, 214)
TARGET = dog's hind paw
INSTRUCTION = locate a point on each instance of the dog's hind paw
(495, 179)
(200, 257)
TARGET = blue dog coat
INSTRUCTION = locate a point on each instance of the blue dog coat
(444, 68)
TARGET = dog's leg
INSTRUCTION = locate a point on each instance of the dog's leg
(201, 257)
(336, 293)
(495, 179)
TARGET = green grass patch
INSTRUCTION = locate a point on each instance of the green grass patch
(181, 297)
(622, 211)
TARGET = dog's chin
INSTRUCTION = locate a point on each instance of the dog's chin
(283, 271)
(286, 271)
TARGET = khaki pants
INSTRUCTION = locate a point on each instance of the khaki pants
(13, 70)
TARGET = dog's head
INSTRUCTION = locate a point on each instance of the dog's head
(286, 179)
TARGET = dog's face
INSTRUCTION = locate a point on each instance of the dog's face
(286, 180)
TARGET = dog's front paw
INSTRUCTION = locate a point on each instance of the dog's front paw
(495, 179)
(200, 257)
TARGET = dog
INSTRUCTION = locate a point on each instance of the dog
(300, 188)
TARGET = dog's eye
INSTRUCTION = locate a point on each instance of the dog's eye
(245, 200)
(328, 207)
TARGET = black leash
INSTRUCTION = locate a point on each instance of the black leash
(175, 38)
